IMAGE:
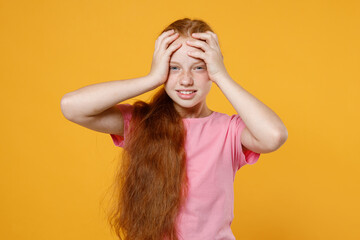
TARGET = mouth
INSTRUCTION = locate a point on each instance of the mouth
(186, 94)
(186, 91)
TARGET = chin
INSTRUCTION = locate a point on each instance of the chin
(186, 103)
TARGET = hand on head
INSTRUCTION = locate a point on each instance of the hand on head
(208, 51)
(210, 54)
(162, 54)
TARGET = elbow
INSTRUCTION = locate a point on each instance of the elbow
(280, 138)
(65, 105)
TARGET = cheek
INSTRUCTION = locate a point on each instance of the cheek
(206, 85)
(170, 80)
(169, 84)
(203, 79)
(203, 75)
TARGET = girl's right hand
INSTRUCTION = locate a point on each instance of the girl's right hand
(161, 58)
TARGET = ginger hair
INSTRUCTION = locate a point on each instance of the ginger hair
(151, 183)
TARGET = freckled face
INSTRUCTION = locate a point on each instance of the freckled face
(187, 73)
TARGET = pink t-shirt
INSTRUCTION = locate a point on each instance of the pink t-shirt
(214, 154)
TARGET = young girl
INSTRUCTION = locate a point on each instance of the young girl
(180, 158)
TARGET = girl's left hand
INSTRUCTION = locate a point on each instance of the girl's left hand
(211, 54)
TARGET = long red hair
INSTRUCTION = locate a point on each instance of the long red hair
(151, 182)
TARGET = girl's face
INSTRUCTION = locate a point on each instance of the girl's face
(189, 74)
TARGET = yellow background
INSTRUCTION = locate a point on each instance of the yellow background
(300, 58)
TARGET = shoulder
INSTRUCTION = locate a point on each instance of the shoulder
(125, 107)
(219, 116)
(233, 119)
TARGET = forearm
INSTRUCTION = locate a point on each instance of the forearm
(96, 98)
(261, 121)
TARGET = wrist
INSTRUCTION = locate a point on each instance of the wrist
(221, 78)
(153, 81)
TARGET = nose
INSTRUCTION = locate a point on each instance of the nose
(186, 79)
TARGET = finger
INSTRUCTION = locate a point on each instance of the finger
(169, 40)
(212, 38)
(199, 44)
(204, 46)
(205, 36)
(197, 54)
(162, 36)
(215, 37)
(212, 34)
(173, 48)
(163, 45)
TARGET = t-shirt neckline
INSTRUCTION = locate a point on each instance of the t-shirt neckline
(201, 119)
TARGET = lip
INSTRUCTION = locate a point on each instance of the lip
(186, 96)
(186, 90)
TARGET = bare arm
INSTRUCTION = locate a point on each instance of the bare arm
(93, 106)
(264, 131)
(96, 98)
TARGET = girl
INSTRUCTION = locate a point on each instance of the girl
(175, 180)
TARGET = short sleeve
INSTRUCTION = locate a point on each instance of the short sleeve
(126, 111)
(240, 158)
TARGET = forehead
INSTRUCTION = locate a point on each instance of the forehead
(180, 55)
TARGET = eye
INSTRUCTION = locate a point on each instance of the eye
(171, 68)
(200, 67)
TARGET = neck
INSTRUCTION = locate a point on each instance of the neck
(198, 111)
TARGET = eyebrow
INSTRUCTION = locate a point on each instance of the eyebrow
(193, 63)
